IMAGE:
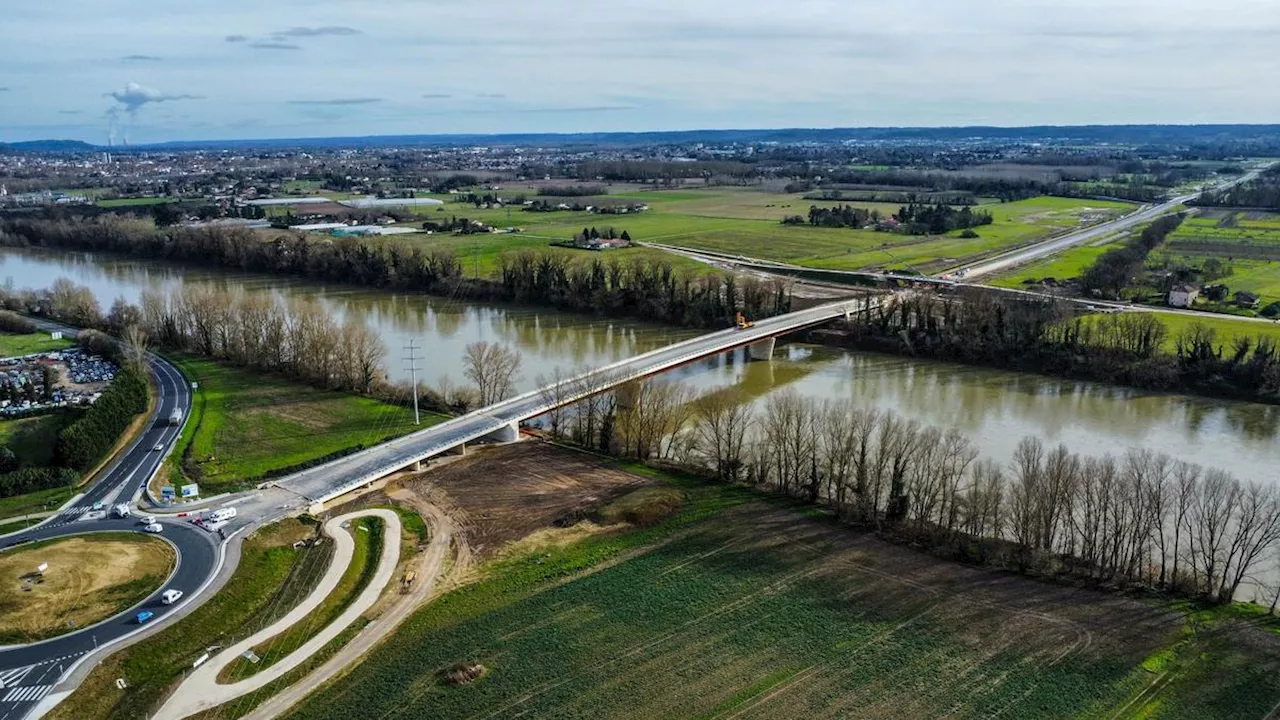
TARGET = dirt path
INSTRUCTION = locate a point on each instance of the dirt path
(428, 569)
(201, 690)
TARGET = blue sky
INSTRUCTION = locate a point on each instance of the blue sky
(206, 69)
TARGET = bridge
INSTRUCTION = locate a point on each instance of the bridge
(501, 421)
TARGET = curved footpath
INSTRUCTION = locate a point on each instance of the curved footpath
(201, 690)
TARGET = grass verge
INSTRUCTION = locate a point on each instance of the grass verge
(367, 533)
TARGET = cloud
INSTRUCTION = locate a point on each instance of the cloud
(274, 46)
(236, 38)
(134, 96)
(68, 112)
(491, 96)
(337, 101)
(587, 109)
(4, 89)
(141, 58)
(436, 96)
(302, 32)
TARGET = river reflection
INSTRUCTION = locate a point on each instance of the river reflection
(994, 408)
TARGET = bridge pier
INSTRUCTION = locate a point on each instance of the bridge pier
(762, 349)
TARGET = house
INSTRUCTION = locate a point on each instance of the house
(1246, 299)
(1183, 296)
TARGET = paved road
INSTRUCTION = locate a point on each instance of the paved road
(1097, 232)
(27, 672)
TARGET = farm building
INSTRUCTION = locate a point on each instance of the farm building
(1183, 296)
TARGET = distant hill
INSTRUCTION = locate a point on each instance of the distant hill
(1120, 134)
(51, 146)
(1184, 135)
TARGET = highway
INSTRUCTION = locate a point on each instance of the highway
(1097, 232)
(27, 672)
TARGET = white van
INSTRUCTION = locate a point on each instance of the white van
(170, 596)
(153, 528)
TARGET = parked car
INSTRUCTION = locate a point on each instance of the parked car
(170, 596)
(154, 528)
(144, 616)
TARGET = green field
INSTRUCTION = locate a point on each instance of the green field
(136, 202)
(741, 608)
(244, 424)
(1226, 328)
(272, 577)
(37, 342)
(1247, 243)
(33, 439)
(746, 221)
(1066, 265)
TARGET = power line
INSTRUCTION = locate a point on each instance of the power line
(413, 374)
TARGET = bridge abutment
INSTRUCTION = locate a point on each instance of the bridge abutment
(762, 349)
(508, 433)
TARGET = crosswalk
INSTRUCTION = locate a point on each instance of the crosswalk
(26, 693)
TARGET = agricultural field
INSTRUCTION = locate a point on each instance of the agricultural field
(1226, 328)
(244, 424)
(1246, 245)
(743, 606)
(88, 579)
(746, 221)
(12, 345)
(41, 501)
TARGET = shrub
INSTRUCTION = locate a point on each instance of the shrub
(87, 440)
(14, 323)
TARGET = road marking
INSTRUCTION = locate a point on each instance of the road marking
(28, 693)
(10, 678)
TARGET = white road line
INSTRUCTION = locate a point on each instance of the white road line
(12, 677)
(27, 693)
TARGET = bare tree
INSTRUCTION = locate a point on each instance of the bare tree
(135, 346)
(493, 369)
(722, 420)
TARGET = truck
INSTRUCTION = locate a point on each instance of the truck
(121, 510)
(220, 515)
(175, 417)
(214, 525)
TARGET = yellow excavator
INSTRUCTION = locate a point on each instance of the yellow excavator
(742, 322)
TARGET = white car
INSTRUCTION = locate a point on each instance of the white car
(159, 447)
(153, 528)
(170, 596)
(147, 519)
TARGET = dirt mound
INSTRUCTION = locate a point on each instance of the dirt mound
(463, 673)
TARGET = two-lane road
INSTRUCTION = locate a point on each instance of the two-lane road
(27, 672)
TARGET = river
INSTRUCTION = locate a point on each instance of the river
(993, 408)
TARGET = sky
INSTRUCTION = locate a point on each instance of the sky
(156, 70)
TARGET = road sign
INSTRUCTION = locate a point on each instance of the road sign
(191, 490)
(167, 492)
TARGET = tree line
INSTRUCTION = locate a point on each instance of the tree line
(1115, 269)
(925, 219)
(1045, 336)
(646, 289)
(1142, 519)
(87, 440)
(1263, 192)
(649, 289)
